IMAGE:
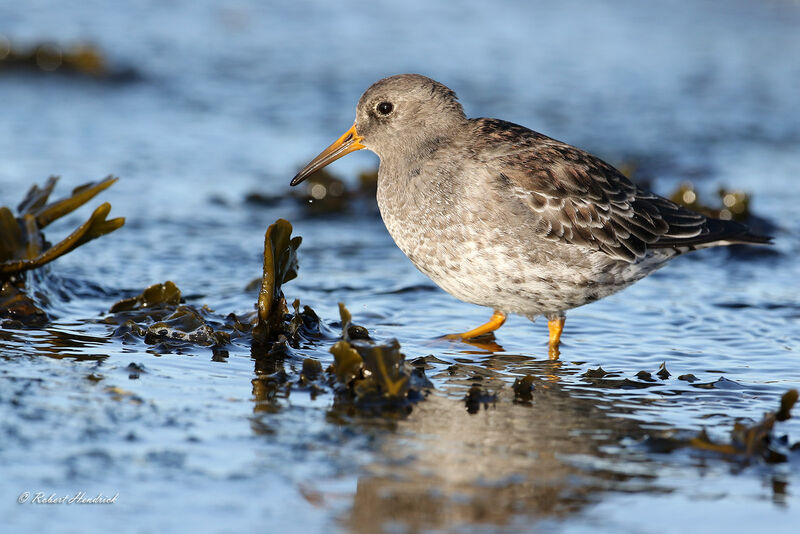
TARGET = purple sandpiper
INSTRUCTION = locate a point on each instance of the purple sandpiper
(505, 217)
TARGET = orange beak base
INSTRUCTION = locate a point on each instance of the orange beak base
(350, 141)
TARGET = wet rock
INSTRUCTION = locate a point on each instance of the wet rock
(357, 332)
(720, 383)
(427, 362)
(135, 370)
(263, 200)
(186, 324)
(325, 194)
(18, 310)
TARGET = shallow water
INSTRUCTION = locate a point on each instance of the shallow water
(231, 99)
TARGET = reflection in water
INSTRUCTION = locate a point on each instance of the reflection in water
(479, 450)
(444, 466)
(54, 343)
(513, 462)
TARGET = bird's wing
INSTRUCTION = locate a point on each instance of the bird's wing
(579, 199)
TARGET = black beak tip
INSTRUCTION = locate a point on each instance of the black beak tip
(296, 180)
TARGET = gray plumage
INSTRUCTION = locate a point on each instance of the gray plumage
(502, 216)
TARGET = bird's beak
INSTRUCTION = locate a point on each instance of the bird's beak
(349, 142)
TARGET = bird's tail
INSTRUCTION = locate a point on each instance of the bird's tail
(717, 232)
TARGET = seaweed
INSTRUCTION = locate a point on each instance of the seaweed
(748, 443)
(157, 295)
(732, 205)
(79, 59)
(280, 266)
(373, 377)
(755, 440)
(22, 244)
(24, 248)
(157, 316)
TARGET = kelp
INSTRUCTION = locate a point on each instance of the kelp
(280, 266)
(372, 376)
(748, 442)
(611, 380)
(756, 440)
(155, 296)
(18, 309)
(23, 246)
(158, 316)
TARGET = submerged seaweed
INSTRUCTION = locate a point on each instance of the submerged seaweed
(747, 442)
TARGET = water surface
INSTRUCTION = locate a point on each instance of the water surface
(229, 99)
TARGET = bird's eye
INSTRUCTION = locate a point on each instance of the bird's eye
(384, 108)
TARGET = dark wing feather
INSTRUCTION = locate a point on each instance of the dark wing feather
(579, 199)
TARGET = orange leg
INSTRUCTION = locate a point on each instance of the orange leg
(555, 326)
(497, 320)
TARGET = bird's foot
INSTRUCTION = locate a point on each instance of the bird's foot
(555, 325)
(495, 322)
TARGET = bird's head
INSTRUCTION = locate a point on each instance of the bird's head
(402, 116)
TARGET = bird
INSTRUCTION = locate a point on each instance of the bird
(502, 216)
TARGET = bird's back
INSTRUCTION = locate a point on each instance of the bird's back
(579, 199)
